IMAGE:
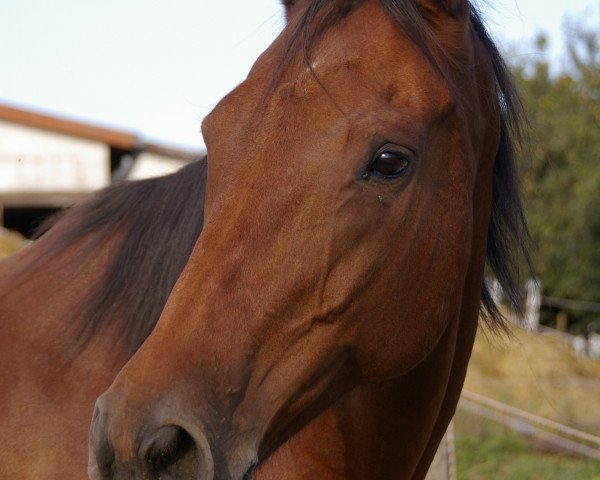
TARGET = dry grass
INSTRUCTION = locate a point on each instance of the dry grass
(538, 374)
(10, 242)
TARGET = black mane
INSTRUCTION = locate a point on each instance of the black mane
(508, 237)
(157, 222)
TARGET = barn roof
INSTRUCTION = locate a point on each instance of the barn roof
(122, 139)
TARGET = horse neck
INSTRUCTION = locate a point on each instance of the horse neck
(38, 296)
(385, 431)
(48, 384)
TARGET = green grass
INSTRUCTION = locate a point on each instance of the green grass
(488, 451)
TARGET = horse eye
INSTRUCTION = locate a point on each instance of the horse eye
(390, 164)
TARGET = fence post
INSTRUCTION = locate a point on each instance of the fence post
(495, 290)
(594, 346)
(443, 466)
(533, 304)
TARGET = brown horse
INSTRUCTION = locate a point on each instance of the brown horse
(73, 308)
(132, 227)
(357, 179)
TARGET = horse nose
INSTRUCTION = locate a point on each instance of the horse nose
(101, 454)
(164, 451)
(172, 451)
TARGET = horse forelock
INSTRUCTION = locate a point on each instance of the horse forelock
(508, 236)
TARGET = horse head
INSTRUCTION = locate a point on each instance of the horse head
(347, 211)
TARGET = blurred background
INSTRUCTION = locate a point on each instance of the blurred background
(93, 93)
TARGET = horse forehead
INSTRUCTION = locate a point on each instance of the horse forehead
(362, 59)
(366, 48)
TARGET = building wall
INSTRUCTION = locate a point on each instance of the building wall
(34, 161)
(48, 163)
(149, 165)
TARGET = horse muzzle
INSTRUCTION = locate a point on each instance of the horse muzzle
(169, 449)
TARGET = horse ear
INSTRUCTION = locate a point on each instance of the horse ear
(288, 5)
(458, 9)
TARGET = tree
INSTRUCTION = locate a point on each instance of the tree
(560, 165)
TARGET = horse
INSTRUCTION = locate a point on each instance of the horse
(358, 181)
(48, 356)
(81, 271)
(73, 308)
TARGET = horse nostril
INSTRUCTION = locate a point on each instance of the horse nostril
(168, 446)
(101, 456)
(172, 452)
(125, 446)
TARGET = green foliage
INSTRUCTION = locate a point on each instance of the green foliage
(561, 167)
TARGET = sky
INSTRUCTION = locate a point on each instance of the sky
(157, 67)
